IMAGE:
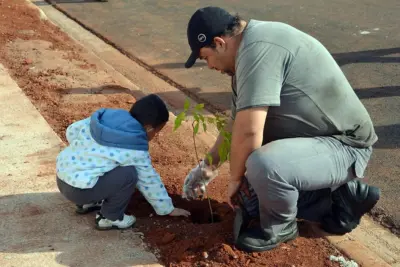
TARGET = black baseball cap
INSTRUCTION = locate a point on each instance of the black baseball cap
(205, 24)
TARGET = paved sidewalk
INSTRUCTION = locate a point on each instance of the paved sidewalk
(38, 226)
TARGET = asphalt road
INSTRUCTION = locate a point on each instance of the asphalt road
(363, 36)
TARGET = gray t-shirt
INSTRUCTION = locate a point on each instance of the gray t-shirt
(297, 78)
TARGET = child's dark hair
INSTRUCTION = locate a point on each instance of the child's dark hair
(150, 110)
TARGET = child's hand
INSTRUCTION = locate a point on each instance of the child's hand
(179, 212)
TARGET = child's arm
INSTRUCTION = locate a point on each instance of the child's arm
(74, 129)
(151, 186)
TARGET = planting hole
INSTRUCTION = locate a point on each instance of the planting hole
(201, 216)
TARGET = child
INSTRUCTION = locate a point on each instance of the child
(107, 158)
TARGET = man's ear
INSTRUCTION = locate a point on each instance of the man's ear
(220, 43)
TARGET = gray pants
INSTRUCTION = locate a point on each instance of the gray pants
(115, 188)
(284, 170)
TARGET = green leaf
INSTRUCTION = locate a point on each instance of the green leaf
(177, 124)
(224, 150)
(199, 107)
(196, 117)
(227, 136)
(186, 105)
(182, 116)
(221, 153)
(204, 126)
(209, 158)
(201, 117)
(196, 128)
(210, 120)
(178, 121)
(220, 126)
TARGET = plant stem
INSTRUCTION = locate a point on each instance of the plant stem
(198, 161)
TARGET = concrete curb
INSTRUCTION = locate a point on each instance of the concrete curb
(352, 248)
(346, 244)
(42, 15)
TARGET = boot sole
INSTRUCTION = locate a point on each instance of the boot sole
(249, 248)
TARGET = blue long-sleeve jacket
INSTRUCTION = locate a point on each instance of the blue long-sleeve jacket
(104, 141)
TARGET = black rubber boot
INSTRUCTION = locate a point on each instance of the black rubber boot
(349, 203)
(314, 205)
(247, 233)
(256, 240)
(247, 211)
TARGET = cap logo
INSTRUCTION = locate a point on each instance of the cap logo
(201, 37)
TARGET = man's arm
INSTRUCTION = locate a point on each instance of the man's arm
(260, 74)
(247, 136)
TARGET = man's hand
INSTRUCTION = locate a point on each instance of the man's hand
(180, 212)
(233, 188)
(197, 179)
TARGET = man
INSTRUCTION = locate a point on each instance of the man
(300, 135)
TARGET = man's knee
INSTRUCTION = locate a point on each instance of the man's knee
(261, 164)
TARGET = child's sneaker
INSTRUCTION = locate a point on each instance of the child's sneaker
(86, 208)
(102, 223)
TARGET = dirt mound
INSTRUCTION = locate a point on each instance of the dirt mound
(187, 242)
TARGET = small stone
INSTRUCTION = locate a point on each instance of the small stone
(205, 254)
(229, 250)
(28, 61)
(167, 238)
(151, 215)
(28, 32)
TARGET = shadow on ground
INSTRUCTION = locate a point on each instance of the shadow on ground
(178, 65)
(388, 136)
(377, 92)
(67, 2)
(368, 56)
